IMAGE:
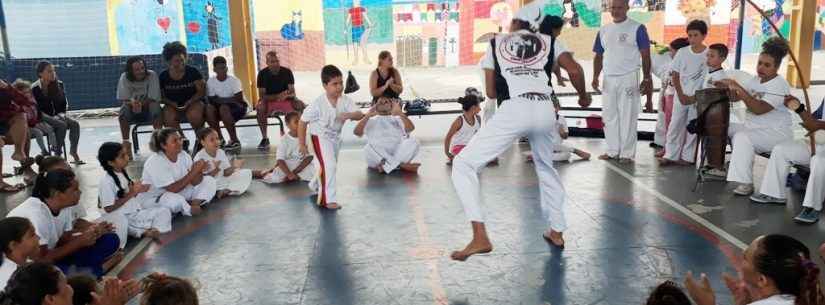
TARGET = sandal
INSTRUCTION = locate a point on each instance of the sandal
(8, 188)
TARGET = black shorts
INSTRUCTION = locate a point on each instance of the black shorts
(237, 110)
(4, 128)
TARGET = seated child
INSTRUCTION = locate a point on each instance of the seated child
(230, 178)
(291, 164)
(389, 145)
(562, 152)
(464, 127)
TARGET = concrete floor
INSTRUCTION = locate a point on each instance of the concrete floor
(631, 227)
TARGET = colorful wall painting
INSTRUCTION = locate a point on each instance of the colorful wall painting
(206, 24)
(143, 27)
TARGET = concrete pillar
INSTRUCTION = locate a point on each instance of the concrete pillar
(243, 48)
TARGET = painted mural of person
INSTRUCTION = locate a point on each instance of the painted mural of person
(360, 27)
(212, 30)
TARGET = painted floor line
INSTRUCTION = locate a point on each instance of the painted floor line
(129, 257)
(675, 205)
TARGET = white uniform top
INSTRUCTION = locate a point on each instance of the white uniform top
(712, 77)
(220, 155)
(47, 226)
(7, 268)
(107, 193)
(288, 149)
(779, 299)
(322, 116)
(773, 92)
(692, 68)
(226, 88)
(522, 56)
(660, 67)
(385, 131)
(465, 132)
(159, 172)
(620, 43)
(561, 125)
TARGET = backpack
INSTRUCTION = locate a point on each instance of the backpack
(417, 106)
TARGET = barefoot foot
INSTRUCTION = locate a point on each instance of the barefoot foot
(606, 157)
(410, 167)
(195, 209)
(332, 206)
(555, 238)
(113, 260)
(474, 247)
(152, 233)
(584, 155)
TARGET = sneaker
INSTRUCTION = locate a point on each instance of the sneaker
(715, 172)
(264, 145)
(765, 199)
(807, 216)
(233, 146)
(743, 190)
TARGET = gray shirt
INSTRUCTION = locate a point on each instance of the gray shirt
(149, 87)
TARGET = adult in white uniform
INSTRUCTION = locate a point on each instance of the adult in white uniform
(797, 152)
(768, 121)
(177, 182)
(776, 270)
(518, 68)
(689, 68)
(389, 144)
(621, 48)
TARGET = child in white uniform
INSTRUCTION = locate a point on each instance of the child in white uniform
(717, 53)
(689, 69)
(389, 145)
(291, 164)
(230, 178)
(463, 128)
(661, 68)
(113, 198)
(177, 182)
(562, 152)
(324, 118)
(18, 244)
(768, 120)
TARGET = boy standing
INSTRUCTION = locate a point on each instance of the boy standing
(324, 118)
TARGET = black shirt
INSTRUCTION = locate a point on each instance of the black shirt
(52, 103)
(275, 83)
(181, 90)
(390, 93)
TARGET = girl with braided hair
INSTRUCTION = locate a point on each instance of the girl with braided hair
(776, 270)
(118, 194)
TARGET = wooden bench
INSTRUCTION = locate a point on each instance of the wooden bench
(136, 130)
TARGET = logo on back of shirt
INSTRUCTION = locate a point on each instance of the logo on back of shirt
(522, 49)
(623, 37)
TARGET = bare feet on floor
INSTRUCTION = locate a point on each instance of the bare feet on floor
(606, 157)
(152, 233)
(474, 247)
(410, 167)
(583, 154)
(195, 208)
(555, 238)
(260, 173)
(332, 206)
(113, 260)
(222, 193)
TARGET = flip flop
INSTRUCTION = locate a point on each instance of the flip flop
(8, 188)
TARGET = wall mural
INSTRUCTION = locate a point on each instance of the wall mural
(143, 27)
(206, 24)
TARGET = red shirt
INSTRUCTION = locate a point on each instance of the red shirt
(11, 103)
(357, 16)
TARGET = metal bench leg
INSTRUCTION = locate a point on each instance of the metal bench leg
(135, 144)
(280, 124)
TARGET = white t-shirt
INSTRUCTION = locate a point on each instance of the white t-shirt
(620, 43)
(7, 268)
(323, 117)
(466, 132)
(773, 92)
(692, 68)
(660, 67)
(561, 125)
(226, 88)
(47, 226)
(159, 172)
(107, 193)
(220, 155)
(779, 299)
(288, 149)
(385, 131)
(522, 56)
(712, 77)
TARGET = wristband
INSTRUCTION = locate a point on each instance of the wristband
(800, 109)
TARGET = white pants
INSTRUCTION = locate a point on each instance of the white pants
(515, 118)
(746, 144)
(620, 113)
(680, 144)
(791, 153)
(404, 152)
(179, 202)
(121, 224)
(326, 154)
(278, 176)
(562, 152)
(237, 183)
(660, 133)
(136, 223)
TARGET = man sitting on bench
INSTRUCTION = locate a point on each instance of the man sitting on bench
(226, 103)
(138, 91)
(276, 85)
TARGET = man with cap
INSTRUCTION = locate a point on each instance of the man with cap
(517, 69)
(621, 48)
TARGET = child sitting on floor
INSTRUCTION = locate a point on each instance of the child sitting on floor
(230, 178)
(562, 152)
(291, 164)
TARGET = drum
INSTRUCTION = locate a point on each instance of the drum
(713, 119)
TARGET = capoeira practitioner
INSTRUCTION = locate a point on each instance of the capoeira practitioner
(518, 68)
(389, 144)
(797, 152)
(621, 48)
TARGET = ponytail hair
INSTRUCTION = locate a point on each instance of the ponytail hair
(468, 101)
(49, 162)
(108, 152)
(159, 137)
(161, 289)
(50, 182)
(31, 283)
(12, 229)
(786, 261)
(777, 48)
